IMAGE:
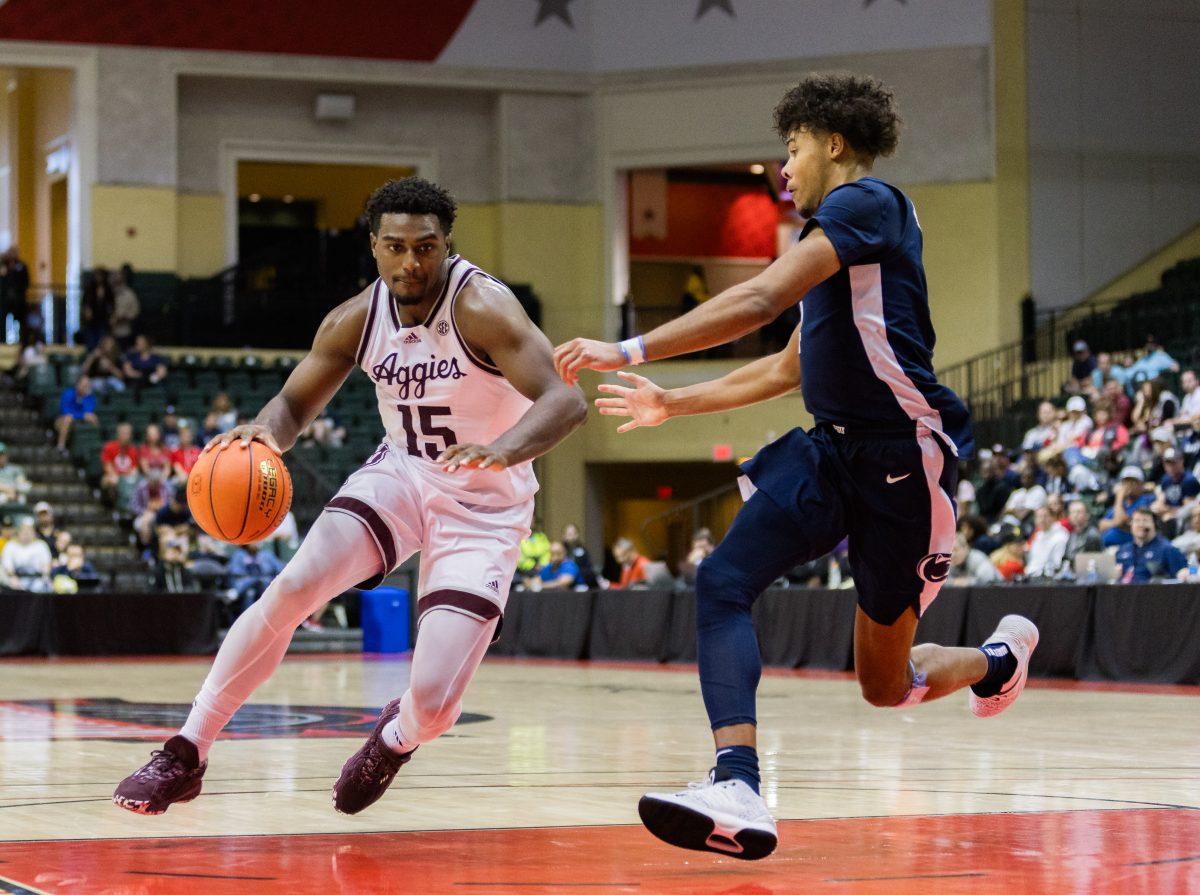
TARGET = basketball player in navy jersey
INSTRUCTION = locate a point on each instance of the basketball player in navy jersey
(468, 396)
(879, 466)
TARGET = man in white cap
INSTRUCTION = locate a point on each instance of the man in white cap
(1073, 430)
(1130, 494)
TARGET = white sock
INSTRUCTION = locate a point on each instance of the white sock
(337, 554)
(391, 738)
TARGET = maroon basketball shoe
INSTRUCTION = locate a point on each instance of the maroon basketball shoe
(368, 773)
(173, 774)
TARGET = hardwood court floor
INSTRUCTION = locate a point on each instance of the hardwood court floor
(1077, 789)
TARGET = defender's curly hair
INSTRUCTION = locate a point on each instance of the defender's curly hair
(858, 108)
(412, 195)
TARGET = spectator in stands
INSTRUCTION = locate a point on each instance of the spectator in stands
(633, 564)
(251, 569)
(153, 456)
(1153, 404)
(120, 460)
(75, 565)
(14, 486)
(1073, 430)
(1009, 558)
(1189, 405)
(535, 553)
(174, 552)
(1029, 497)
(560, 573)
(1119, 402)
(1083, 537)
(142, 366)
(1129, 494)
(1177, 490)
(702, 547)
(1107, 435)
(1147, 554)
(995, 487)
(14, 289)
(76, 405)
(96, 308)
(1046, 549)
(105, 366)
(184, 457)
(1083, 364)
(1105, 370)
(1189, 542)
(173, 520)
(33, 354)
(43, 523)
(126, 308)
(969, 566)
(26, 560)
(1045, 433)
(1056, 482)
(151, 495)
(1153, 363)
(325, 430)
(975, 530)
(222, 415)
(209, 561)
(169, 426)
(579, 554)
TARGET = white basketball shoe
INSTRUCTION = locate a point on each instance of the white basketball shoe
(1020, 635)
(722, 816)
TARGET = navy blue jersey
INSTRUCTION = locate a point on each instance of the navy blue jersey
(866, 340)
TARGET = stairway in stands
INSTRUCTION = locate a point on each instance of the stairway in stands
(59, 482)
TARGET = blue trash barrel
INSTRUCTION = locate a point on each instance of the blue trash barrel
(385, 620)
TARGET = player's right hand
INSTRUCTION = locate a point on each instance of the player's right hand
(247, 433)
(586, 354)
(645, 403)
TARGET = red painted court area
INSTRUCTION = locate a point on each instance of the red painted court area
(1140, 852)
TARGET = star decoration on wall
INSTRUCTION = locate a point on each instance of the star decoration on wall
(724, 5)
(555, 8)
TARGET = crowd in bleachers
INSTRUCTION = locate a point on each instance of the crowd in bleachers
(1102, 486)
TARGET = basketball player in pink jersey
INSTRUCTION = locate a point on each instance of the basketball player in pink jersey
(469, 397)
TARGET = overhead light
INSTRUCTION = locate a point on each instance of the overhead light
(757, 168)
(254, 197)
(289, 199)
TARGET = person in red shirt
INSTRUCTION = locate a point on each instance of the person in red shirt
(153, 456)
(120, 460)
(184, 457)
(633, 564)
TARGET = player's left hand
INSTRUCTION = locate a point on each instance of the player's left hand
(586, 354)
(472, 456)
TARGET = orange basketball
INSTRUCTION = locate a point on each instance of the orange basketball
(239, 494)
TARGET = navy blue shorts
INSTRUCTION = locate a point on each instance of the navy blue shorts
(893, 497)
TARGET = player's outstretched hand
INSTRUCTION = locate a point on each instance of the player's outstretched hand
(645, 403)
(472, 456)
(586, 354)
(247, 433)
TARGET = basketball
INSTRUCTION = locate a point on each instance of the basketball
(240, 494)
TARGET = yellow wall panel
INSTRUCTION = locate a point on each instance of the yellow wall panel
(1147, 275)
(962, 263)
(201, 234)
(135, 224)
(339, 190)
(477, 233)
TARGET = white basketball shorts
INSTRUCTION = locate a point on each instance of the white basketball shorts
(468, 552)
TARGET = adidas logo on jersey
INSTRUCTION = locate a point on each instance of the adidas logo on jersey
(493, 585)
(412, 339)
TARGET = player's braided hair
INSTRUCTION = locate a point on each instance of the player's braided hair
(858, 108)
(412, 195)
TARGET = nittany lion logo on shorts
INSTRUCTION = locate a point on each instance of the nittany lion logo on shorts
(935, 567)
